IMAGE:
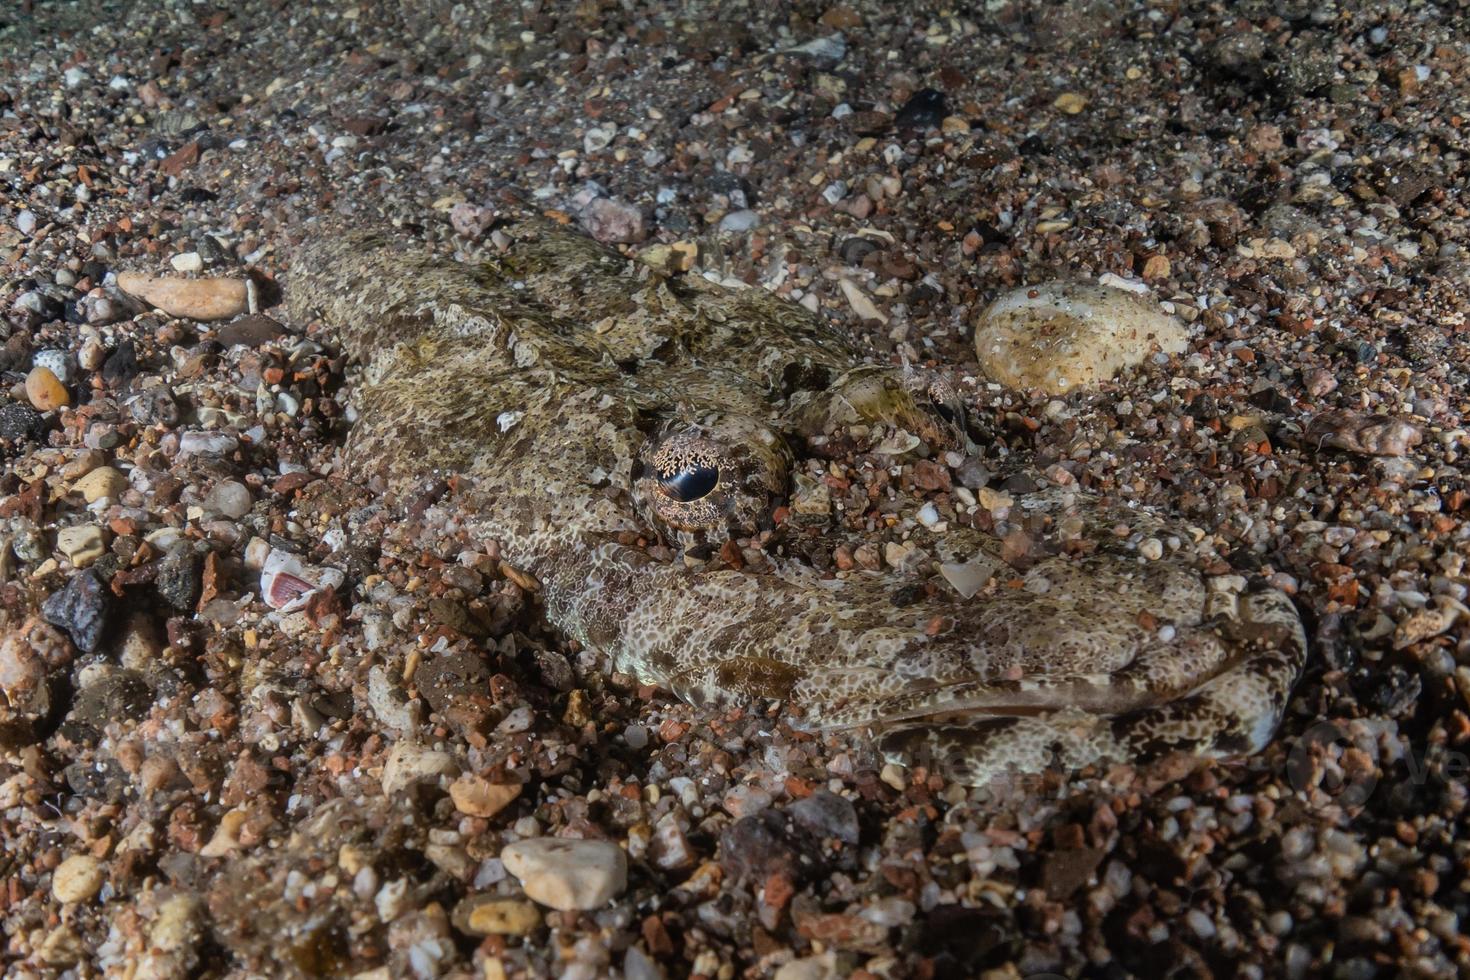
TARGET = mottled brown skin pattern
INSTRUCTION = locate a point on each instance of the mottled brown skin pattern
(565, 386)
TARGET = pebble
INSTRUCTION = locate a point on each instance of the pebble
(1071, 102)
(250, 331)
(103, 483)
(568, 874)
(229, 498)
(28, 658)
(25, 222)
(82, 545)
(834, 192)
(478, 797)
(58, 362)
(925, 109)
(614, 221)
(827, 815)
(638, 965)
(196, 299)
(764, 843)
(1061, 335)
(92, 355)
(77, 879)
(100, 310)
(409, 763)
(860, 303)
(207, 444)
(494, 915)
(471, 220)
(636, 736)
(19, 421)
(739, 221)
(820, 967)
(669, 846)
(180, 578)
(45, 390)
(187, 262)
(834, 46)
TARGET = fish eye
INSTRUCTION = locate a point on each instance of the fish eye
(717, 478)
(689, 483)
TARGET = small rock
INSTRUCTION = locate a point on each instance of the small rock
(187, 262)
(197, 299)
(820, 967)
(45, 390)
(826, 814)
(229, 498)
(25, 222)
(1071, 102)
(37, 302)
(81, 609)
(669, 847)
(739, 221)
(925, 109)
(833, 47)
(82, 545)
(180, 578)
(494, 915)
(19, 421)
(250, 331)
(156, 406)
(206, 443)
(853, 250)
(77, 879)
(765, 843)
(121, 365)
(409, 763)
(1061, 335)
(92, 355)
(610, 221)
(860, 303)
(471, 220)
(568, 874)
(834, 191)
(105, 482)
(1319, 382)
(478, 797)
(31, 657)
(100, 310)
(638, 965)
(58, 362)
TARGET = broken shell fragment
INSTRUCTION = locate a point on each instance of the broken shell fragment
(1059, 335)
(287, 584)
(197, 299)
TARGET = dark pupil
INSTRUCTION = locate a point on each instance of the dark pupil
(690, 483)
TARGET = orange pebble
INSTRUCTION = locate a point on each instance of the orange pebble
(45, 391)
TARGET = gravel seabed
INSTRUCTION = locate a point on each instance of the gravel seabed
(195, 784)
